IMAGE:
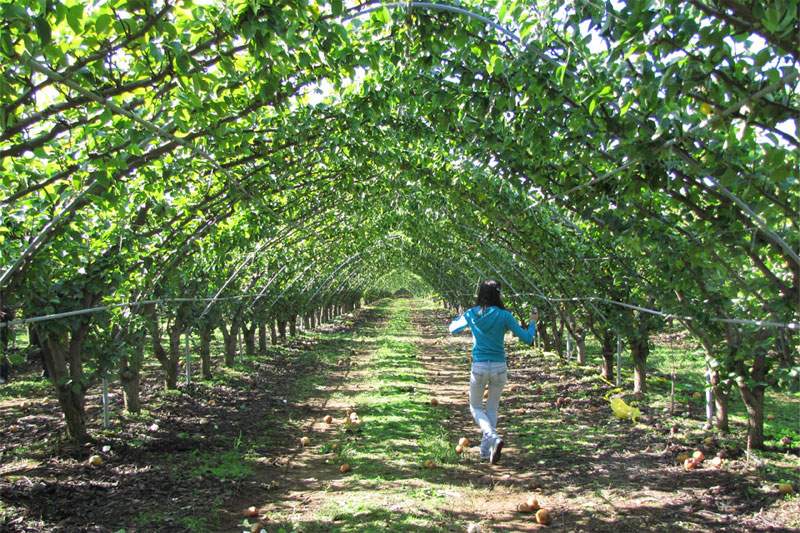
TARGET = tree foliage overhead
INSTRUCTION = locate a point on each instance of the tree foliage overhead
(639, 152)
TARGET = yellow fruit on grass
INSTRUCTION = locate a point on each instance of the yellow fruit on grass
(344, 468)
(328, 419)
(543, 516)
(523, 508)
(95, 460)
(785, 488)
(429, 464)
(463, 441)
(708, 441)
(305, 441)
(459, 449)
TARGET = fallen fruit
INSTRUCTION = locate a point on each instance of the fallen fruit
(689, 464)
(533, 503)
(459, 449)
(95, 460)
(349, 411)
(434, 401)
(698, 456)
(521, 411)
(305, 441)
(251, 511)
(334, 446)
(328, 419)
(429, 464)
(463, 441)
(681, 458)
(697, 396)
(716, 461)
(523, 508)
(785, 488)
(770, 417)
(709, 441)
(353, 416)
(543, 516)
(512, 388)
(25, 405)
(352, 363)
(344, 468)
(13, 428)
(258, 527)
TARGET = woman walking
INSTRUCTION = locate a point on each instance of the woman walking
(488, 321)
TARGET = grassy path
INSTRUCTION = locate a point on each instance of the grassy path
(591, 471)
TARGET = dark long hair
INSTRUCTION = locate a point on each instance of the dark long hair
(489, 295)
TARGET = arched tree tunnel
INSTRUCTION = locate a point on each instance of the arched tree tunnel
(238, 162)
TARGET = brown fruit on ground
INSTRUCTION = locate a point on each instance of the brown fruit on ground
(716, 461)
(459, 449)
(344, 468)
(429, 464)
(251, 511)
(681, 458)
(698, 456)
(95, 460)
(689, 464)
(463, 441)
(305, 441)
(785, 488)
(543, 516)
(512, 388)
(434, 401)
(328, 419)
(523, 508)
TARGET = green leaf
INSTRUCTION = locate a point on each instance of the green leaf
(42, 30)
(336, 5)
(102, 23)
(74, 17)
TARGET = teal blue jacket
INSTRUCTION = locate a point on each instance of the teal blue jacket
(488, 331)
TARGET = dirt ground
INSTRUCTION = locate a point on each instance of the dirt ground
(622, 477)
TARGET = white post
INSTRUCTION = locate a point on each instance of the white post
(709, 400)
(188, 358)
(105, 403)
(619, 357)
(569, 349)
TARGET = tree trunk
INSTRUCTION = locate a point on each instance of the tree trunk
(130, 374)
(282, 330)
(306, 323)
(607, 353)
(753, 397)
(640, 349)
(171, 370)
(580, 343)
(293, 325)
(230, 338)
(262, 337)
(62, 357)
(206, 334)
(273, 332)
(250, 338)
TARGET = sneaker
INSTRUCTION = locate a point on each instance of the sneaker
(497, 447)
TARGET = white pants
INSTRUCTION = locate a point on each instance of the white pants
(494, 375)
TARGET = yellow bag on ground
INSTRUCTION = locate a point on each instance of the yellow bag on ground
(623, 410)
